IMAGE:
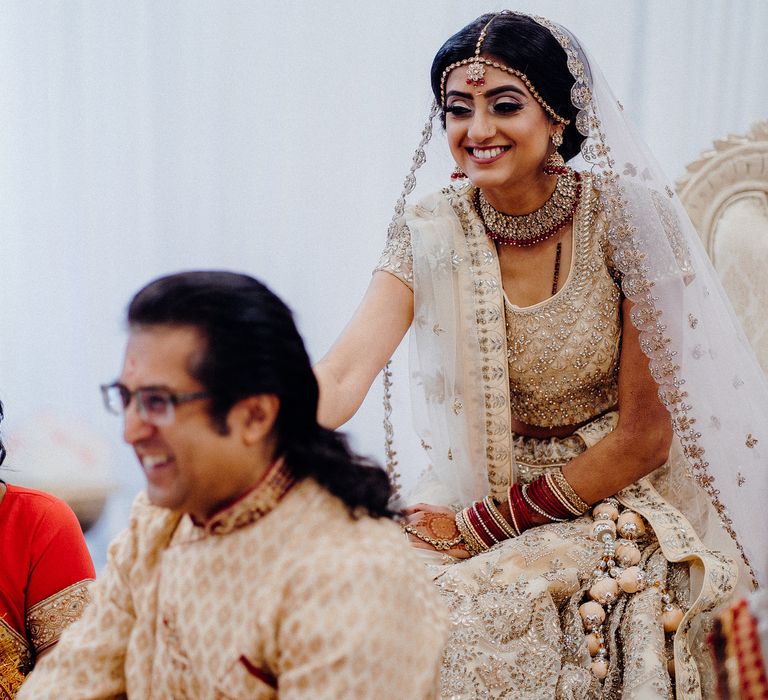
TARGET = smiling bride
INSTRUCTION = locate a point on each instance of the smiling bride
(576, 507)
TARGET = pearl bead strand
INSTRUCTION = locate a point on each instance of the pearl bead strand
(618, 573)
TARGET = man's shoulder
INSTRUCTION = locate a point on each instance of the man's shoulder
(340, 543)
(355, 571)
(328, 516)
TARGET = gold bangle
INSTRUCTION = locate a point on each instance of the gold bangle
(440, 545)
(481, 545)
(470, 542)
(498, 518)
(561, 499)
(566, 489)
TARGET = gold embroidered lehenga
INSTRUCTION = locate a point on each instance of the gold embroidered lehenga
(516, 630)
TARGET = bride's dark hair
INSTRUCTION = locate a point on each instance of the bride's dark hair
(521, 43)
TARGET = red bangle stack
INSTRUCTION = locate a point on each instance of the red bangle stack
(550, 496)
(539, 495)
(522, 514)
(479, 516)
(482, 525)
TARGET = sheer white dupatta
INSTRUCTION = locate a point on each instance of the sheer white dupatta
(445, 376)
(708, 376)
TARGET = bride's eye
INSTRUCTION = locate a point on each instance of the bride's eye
(458, 110)
(507, 107)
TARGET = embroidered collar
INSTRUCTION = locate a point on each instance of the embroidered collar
(255, 504)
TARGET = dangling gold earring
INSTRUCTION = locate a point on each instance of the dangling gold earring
(458, 174)
(555, 165)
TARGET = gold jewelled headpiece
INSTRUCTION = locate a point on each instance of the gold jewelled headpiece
(476, 74)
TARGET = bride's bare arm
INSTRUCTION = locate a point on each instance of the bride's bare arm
(640, 443)
(346, 373)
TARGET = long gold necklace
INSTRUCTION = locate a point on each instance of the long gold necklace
(529, 229)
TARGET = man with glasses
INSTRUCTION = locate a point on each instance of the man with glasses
(262, 561)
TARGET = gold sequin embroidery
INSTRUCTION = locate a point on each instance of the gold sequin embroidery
(50, 617)
(15, 660)
(564, 352)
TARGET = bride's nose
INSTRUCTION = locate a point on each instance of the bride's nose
(482, 126)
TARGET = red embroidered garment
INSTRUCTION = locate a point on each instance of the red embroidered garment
(44, 571)
(739, 644)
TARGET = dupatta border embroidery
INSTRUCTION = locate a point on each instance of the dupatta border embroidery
(488, 303)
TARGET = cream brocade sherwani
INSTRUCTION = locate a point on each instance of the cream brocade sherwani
(300, 602)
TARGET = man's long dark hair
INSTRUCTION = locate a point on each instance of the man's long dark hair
(252, 347)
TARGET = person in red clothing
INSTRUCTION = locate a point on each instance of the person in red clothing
(739, 645)
(45, 569)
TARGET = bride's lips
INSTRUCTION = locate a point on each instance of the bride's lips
(486, 155)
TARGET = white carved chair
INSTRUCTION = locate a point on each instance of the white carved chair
(726, 195)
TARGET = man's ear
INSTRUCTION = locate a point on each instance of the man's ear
(254, 417)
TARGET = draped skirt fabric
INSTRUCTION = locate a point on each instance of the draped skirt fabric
(515, 627)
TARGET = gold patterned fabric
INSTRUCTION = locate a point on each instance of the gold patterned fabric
(50, 617)
(515, 627)
(45, 621)
(299, 601)
(15, 661)
(564, 352)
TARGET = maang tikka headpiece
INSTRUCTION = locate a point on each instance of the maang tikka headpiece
(476, 73)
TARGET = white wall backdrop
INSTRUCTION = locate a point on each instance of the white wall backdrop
(139, 137)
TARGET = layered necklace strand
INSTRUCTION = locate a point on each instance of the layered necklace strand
(529, 229)
(556, 275)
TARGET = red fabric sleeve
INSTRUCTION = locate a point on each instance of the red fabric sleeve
(59, 556)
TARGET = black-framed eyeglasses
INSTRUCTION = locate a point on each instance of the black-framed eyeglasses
(156, 405)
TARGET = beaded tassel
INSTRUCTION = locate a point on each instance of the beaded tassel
(618, 573)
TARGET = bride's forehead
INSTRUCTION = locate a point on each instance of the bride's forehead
(493, 77)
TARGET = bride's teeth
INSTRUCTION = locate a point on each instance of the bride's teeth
(487, 152)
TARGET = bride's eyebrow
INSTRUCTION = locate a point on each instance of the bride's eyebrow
(490, 93)
(504, 88)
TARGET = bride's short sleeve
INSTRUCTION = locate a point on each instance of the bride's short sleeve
(397, 256)
(601, 230)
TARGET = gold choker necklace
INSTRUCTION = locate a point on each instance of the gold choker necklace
(529, 229)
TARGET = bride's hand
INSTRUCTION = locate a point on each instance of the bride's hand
(437, 523)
